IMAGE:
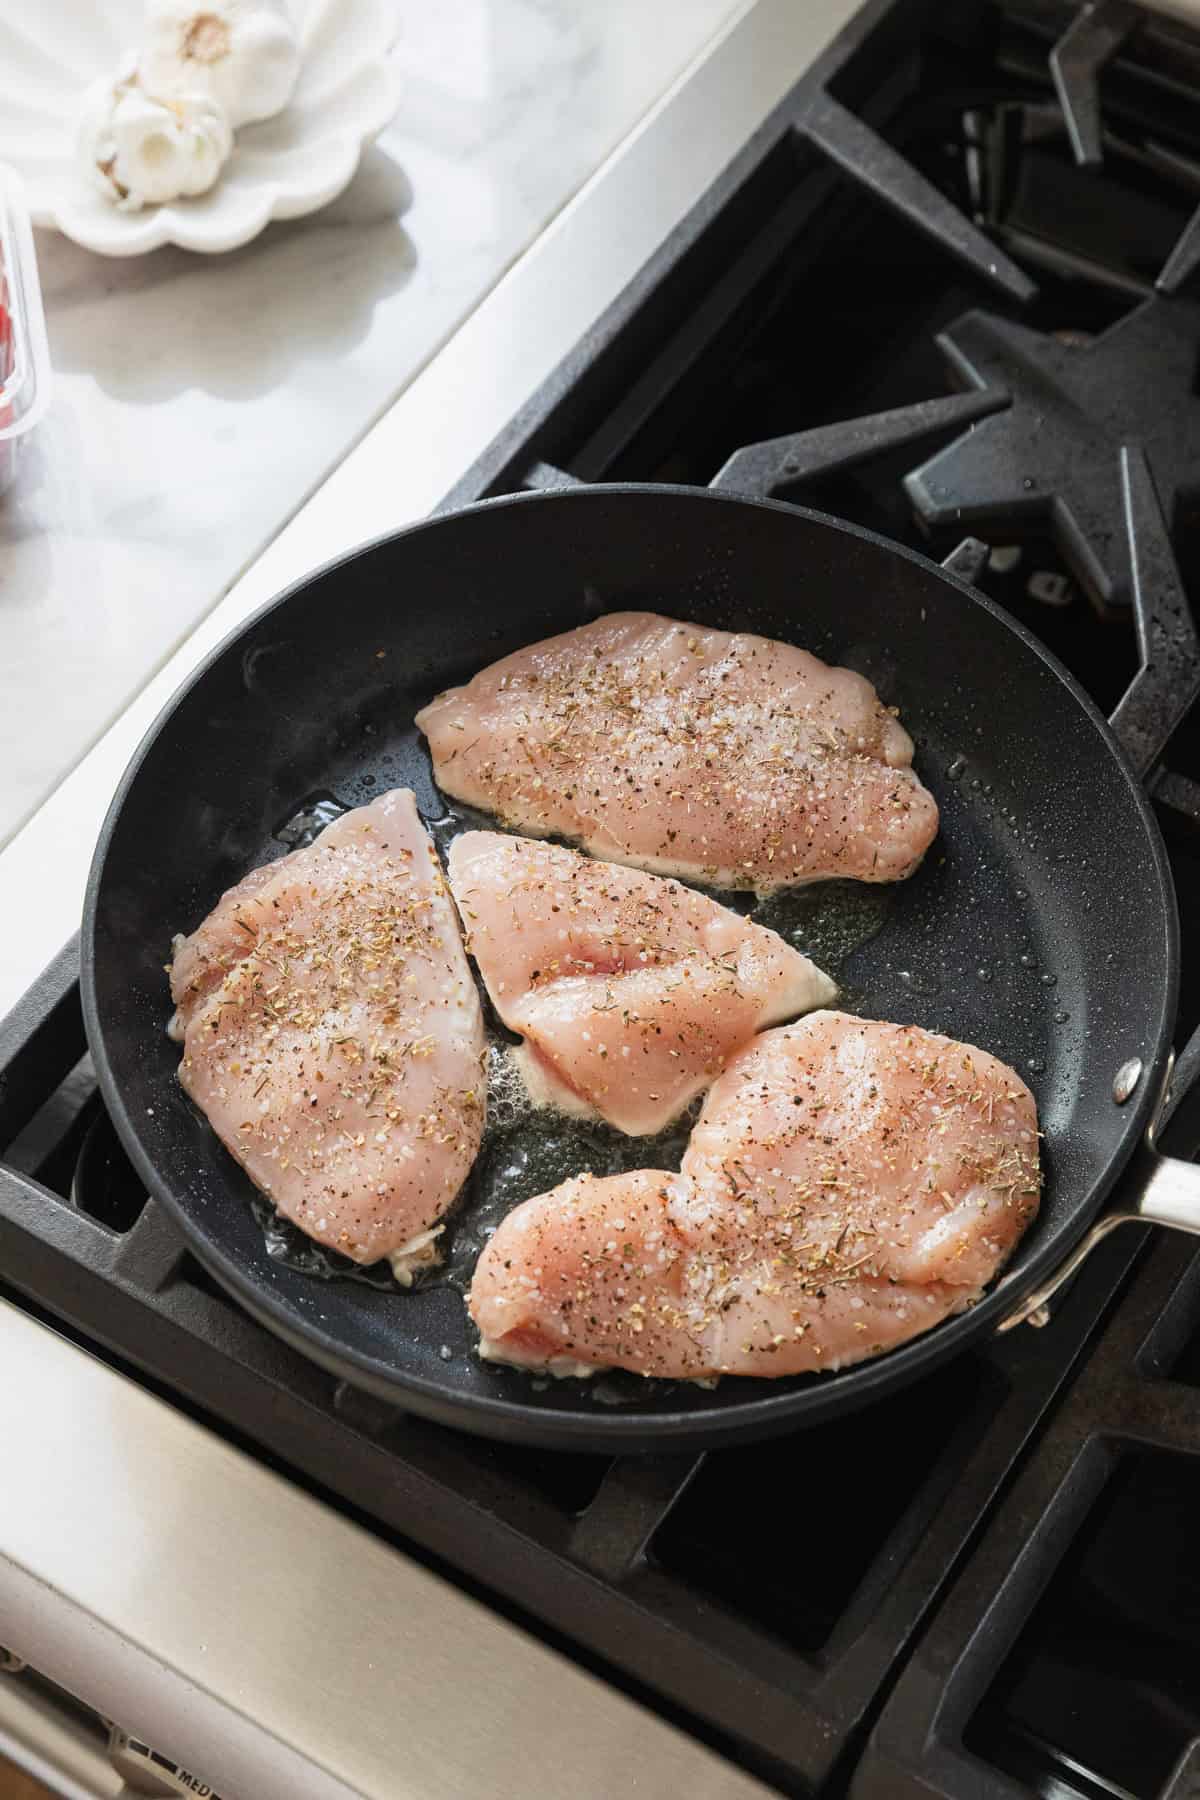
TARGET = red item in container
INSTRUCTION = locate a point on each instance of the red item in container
(24, 355)
(6, 350)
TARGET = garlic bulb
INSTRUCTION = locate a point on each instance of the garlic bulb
(245, 53)
(141, 151)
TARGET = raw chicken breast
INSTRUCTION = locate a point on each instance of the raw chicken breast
(848, 1184)
(333, 1036)
(631, 992)
(716, 756)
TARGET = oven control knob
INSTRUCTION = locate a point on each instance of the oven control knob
(148, 1771)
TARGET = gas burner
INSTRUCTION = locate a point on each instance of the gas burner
(1053, 453)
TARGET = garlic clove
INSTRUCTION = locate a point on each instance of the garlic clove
(245, 53)
(141, 151)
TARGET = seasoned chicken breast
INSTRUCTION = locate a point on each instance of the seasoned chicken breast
(849, 1184)
(630, 991)
(333, 1036)
(716, 756)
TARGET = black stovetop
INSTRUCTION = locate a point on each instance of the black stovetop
(989, 1584)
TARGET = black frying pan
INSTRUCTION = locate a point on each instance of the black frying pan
(1042, 924)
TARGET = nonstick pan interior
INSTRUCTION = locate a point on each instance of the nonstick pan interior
(1041, 925)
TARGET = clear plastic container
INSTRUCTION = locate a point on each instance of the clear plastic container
(25, 376)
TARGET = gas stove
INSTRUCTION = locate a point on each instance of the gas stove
(948, 289)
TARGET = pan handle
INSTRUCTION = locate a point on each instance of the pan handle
(1158, 1190)
(1167, 1193)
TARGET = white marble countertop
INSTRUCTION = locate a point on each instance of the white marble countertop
(199, 400)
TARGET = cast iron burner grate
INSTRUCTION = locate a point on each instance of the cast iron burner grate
(1053, 453)
(940, 156)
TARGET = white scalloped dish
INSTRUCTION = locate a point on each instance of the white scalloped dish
(280, 169)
